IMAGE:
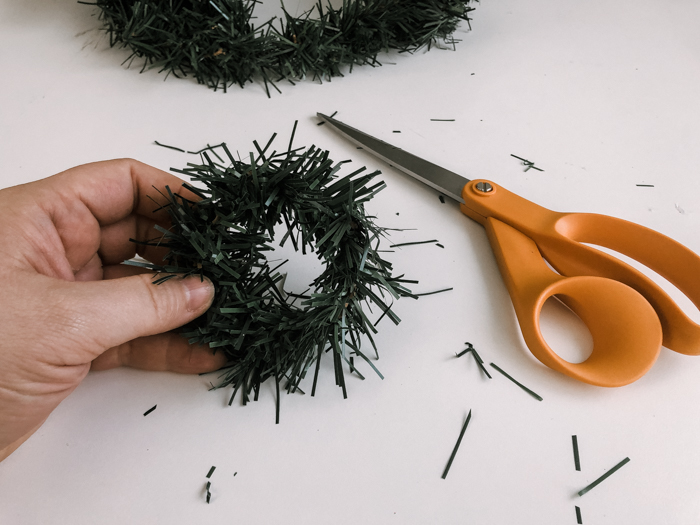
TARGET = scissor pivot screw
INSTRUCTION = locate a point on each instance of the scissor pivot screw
(483, 187)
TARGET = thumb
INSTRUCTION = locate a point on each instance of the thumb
(115, 311)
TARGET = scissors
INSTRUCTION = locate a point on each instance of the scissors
(628, 315)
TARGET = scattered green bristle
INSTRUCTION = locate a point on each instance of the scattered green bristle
(526, 389)
(603, 477)
(456, 447)
(577, 461)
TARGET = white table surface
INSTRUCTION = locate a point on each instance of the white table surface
(601, 95)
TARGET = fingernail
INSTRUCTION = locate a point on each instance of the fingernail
(199, 292)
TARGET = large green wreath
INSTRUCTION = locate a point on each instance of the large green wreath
(225, 236)
(217, 42)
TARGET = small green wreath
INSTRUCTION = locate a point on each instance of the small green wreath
(225, 236)
(218, 43)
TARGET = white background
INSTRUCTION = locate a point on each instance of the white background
(601, 95)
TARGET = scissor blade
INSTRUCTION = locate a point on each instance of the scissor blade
(445, 181)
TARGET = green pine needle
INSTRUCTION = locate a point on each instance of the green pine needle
(456, 447)
(526, 389)
(605, 476)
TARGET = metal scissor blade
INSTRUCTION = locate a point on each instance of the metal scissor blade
(445, 181)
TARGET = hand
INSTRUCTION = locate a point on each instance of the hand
(68, 305)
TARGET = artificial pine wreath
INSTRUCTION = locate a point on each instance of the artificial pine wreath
(225, 236)
(218, 43)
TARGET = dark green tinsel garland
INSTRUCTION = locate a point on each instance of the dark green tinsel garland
(225, 236)
(217, 42)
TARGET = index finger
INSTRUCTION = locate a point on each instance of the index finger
(114, 189)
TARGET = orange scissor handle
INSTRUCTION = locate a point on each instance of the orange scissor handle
(625, 329)
(558, 237)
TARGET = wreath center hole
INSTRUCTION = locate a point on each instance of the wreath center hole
(300, 270)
